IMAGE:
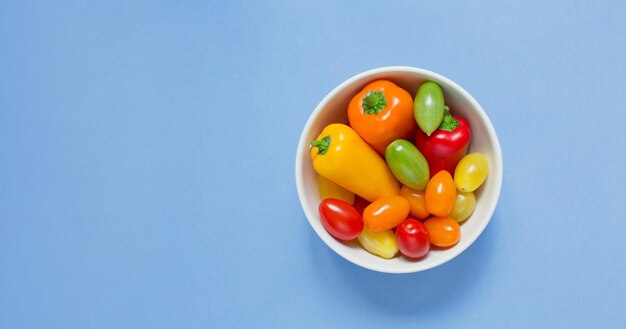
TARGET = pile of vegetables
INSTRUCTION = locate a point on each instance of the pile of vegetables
(388, 192)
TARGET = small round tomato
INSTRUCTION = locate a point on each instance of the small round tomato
(443, 231)
(386, 213)
(416, 201)
(340, 219)
(471, 172)
(407, 164)
(428, 107)
(360, 204)
(440, 194)
(463, 207)
(383, 243)
(413, 238)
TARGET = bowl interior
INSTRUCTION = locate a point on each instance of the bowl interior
(333, 108)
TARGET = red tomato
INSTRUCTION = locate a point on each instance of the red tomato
(360, 204)
(413, 238)
(444, 148)
(340, 219)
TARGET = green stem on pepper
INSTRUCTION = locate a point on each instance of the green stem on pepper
(322, 145)
(374, 102)
(448, 123)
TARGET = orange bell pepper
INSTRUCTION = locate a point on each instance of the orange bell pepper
(381, 113)
(340, 155)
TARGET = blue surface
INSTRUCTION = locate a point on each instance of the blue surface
(147, 152)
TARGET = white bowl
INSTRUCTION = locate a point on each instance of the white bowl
(333, 108)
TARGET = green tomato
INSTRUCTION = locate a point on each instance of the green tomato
(471, 172)
(428, 107)
(407, 164)
(463, 206)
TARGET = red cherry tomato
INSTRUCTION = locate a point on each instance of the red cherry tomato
(360, 204)
(340, 219)
(413, 238)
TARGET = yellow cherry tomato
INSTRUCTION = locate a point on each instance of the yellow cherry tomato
(471, 172)
(416, 201)
(329, 189)
(386, 213)
(440, 194)
(463, 206)
(443, 231)
(383, 244)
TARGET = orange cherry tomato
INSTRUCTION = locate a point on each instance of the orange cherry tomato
(443, 231)
(416, 201)
(381, 113)
(386, 213)
(440, 194)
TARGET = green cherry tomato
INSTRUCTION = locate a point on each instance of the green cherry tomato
(471, 172)
(428, 107)
(407, 164)
(463, 206)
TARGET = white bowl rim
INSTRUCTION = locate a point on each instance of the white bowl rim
(302, 143)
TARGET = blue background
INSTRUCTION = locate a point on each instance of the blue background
(147, 163)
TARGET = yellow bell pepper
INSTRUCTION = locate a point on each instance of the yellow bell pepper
(343, 157)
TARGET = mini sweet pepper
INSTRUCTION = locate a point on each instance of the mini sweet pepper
(340, 155)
